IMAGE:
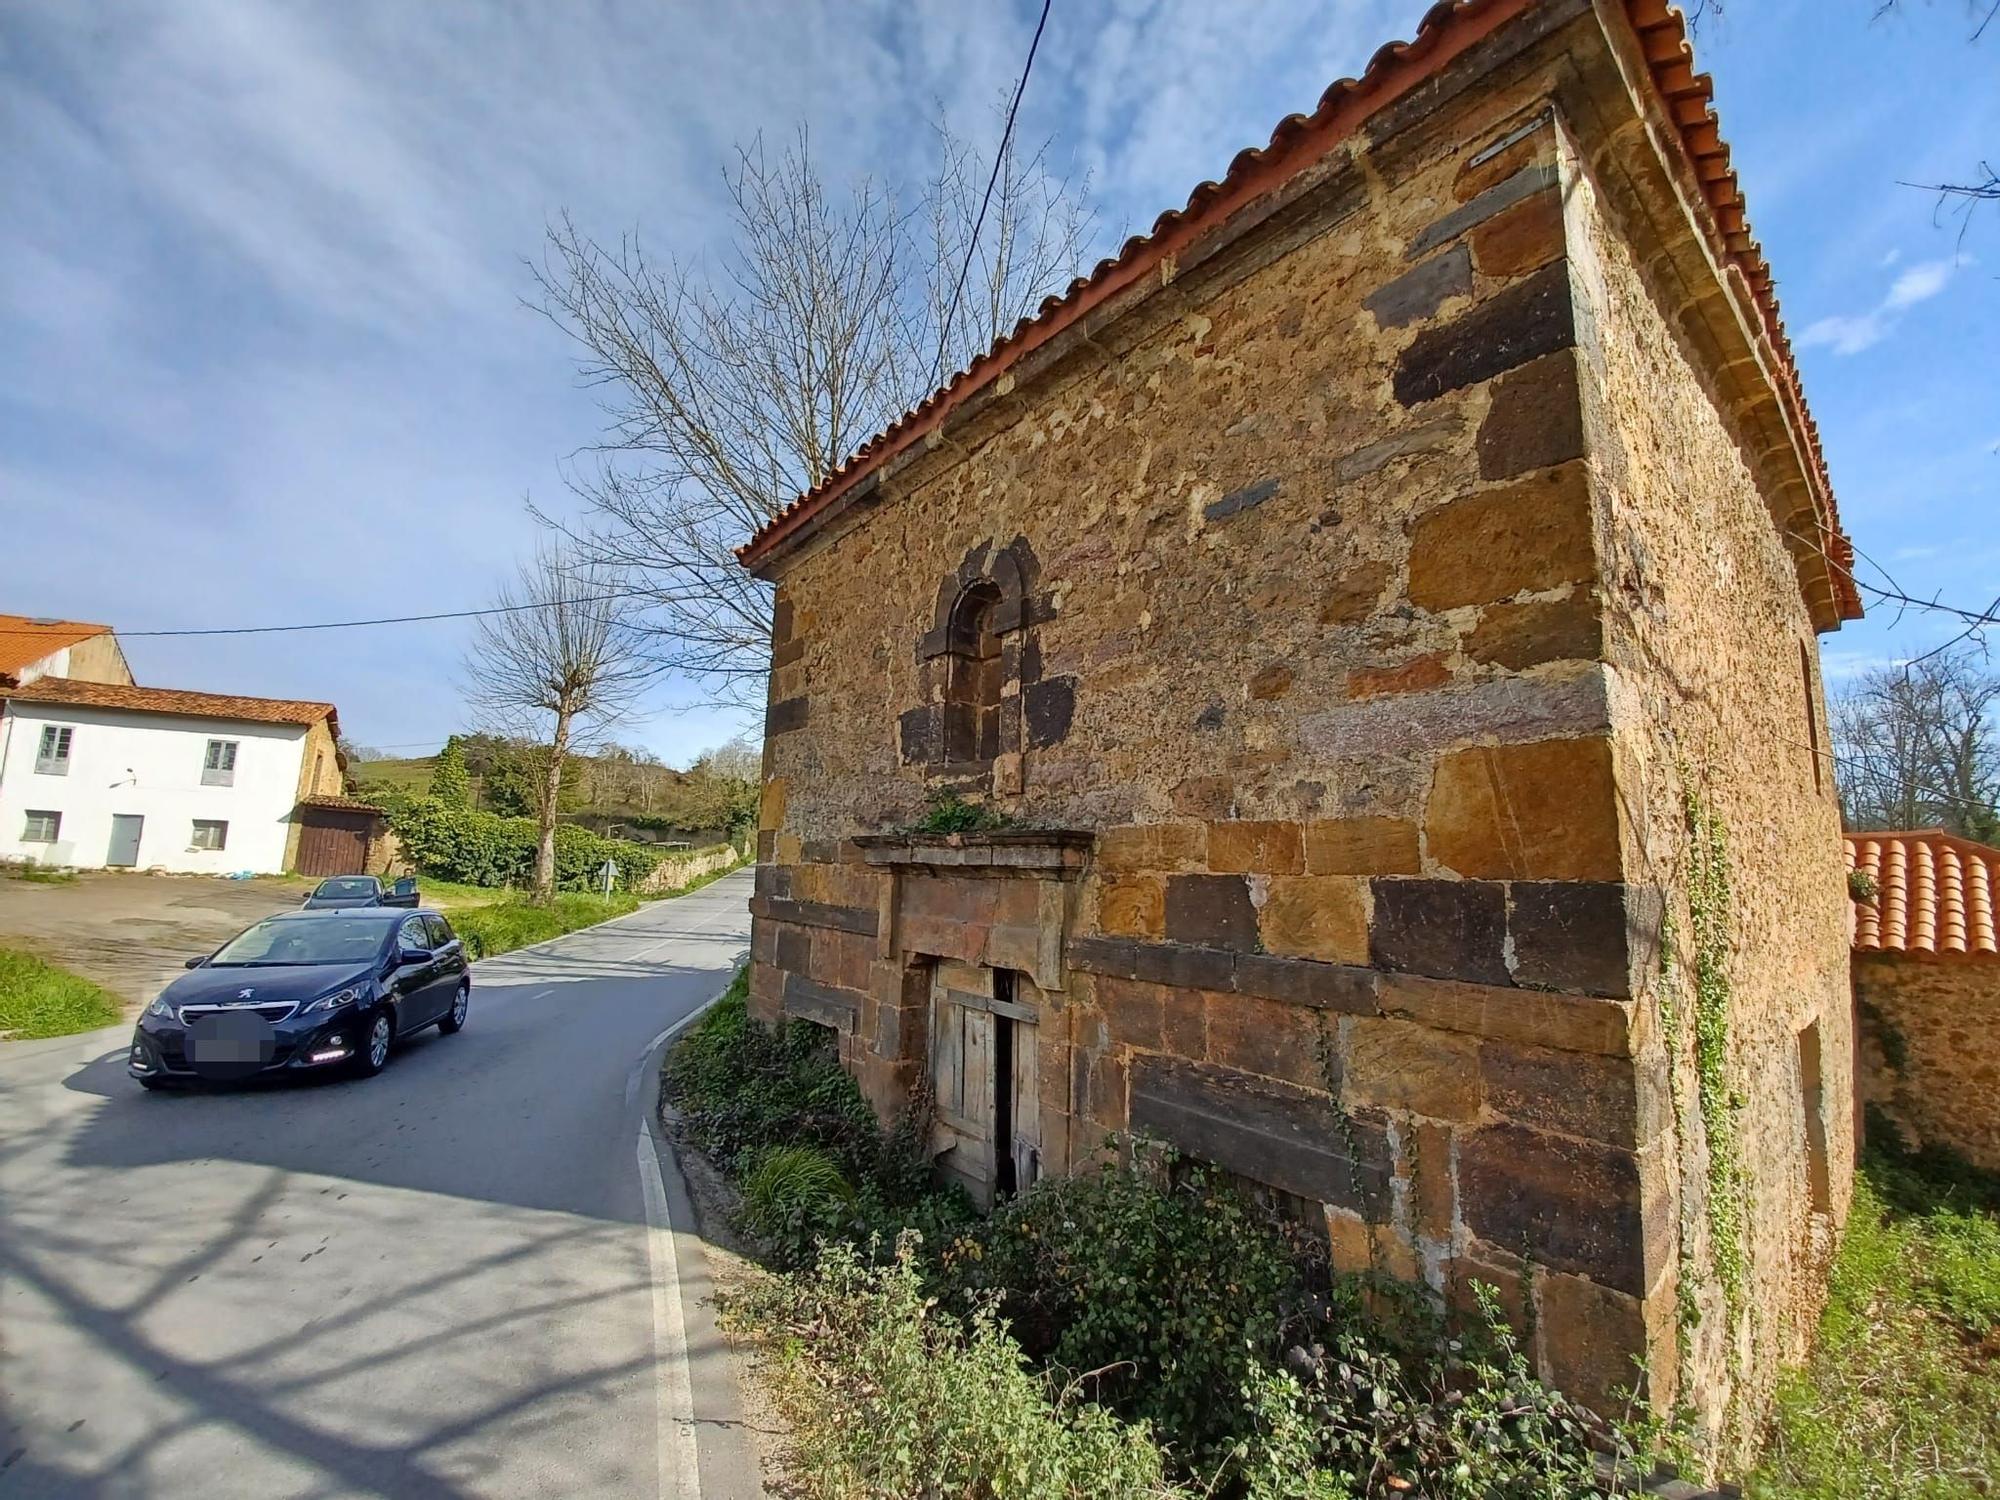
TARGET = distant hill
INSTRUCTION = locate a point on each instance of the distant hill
(616, 787)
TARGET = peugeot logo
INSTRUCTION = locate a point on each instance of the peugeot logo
(244, 994)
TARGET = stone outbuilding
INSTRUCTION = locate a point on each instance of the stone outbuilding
(1382, 603)
(1927, 988)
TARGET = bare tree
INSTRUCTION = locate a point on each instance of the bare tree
(1918, 746)
(555, 663)
(730, 390)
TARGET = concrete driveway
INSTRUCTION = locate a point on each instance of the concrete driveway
(132, 933)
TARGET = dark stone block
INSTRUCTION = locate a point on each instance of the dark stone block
(1118, 957)
(794, 954)
(786, 652)
(1505, 193)
(1419, 293)
(1565, 1204)
(783, 718)
(1535, 420)
(1572, 1093)
(1243, 499)
(1272, 1133)
(781, 620)
(1302, 981)
(1447, 929)
(1048, 707)
(1186, 966)
(1524, 321)
(1571, 935)
(767, 844)
(1526, 634)
(854, 919)
(764, 942)
(917, 736)
(813, 1001)
(1212, 911)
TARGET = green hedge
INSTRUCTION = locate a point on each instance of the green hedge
(482, 848)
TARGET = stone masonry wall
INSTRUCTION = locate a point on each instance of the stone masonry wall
(1715, 692)
(1930, 1049)
(1316, 568)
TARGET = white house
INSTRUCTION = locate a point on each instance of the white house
(97, 774)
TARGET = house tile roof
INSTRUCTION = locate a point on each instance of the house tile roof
(1935, 894)
(173, 701)
(25, 640)
(1447, 30)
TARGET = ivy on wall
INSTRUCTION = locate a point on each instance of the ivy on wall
(1707, 1015)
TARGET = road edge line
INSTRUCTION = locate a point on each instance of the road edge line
(673, 1388)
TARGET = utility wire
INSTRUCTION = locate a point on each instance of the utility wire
(451, 614)
(1000, 156)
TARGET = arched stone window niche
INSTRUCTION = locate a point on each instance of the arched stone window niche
(983, 699)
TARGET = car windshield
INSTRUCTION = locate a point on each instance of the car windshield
(353, 886)
(304, 942)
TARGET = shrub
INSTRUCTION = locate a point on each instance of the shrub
(1471, 1423)
(794, 1197)
(889, 1395)
(482, 848)
(1162, 1281)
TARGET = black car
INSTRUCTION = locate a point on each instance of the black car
(339, 892)
(303, 992)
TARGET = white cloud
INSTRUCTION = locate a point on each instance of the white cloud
(1919, 283)
(1852, 333)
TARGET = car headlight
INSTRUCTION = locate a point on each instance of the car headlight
(356, 994)
(161, 1009)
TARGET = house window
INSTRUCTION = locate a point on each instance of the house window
(972, 694)
(52, 758)
(218, 766)
(42, 827)
(1812, 718)
(209, 833)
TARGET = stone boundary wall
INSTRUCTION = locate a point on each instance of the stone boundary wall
(678, 869)
(1930, 1049)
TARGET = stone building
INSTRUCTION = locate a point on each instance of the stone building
(1927, 988)
(1383, 600)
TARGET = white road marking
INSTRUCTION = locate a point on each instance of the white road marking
(680, 1469)
(675, 1384)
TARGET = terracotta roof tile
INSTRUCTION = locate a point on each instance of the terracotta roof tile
(172, 701)
(1445, 31)
(25, 640)
(1935, 894)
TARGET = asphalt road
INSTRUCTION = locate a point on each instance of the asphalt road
(450, 1280)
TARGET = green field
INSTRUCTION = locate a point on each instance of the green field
(412, 777)
(39, 1000)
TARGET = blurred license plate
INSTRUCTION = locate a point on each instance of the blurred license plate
(231, 1040)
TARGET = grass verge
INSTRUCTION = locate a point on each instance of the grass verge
(38, 999)
(515, 922)
(1902, 1395)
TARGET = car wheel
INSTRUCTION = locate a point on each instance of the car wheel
(454, 1019)
(373, 1053)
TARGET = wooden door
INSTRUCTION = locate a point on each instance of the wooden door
(333, 844)
(985, 1071)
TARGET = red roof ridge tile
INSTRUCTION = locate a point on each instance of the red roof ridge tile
(185, 702)
(1446, 30)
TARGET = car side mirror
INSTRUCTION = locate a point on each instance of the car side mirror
(196, 962)
(412, 956)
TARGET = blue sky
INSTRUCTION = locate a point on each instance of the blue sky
(263, 354)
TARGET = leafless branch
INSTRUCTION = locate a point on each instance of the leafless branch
(729, 389)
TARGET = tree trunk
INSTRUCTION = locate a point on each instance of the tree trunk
(545, 847)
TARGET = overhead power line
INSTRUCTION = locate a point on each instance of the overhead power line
(450, 614)
(999, 157)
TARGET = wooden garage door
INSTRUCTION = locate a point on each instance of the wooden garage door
(332, 843)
